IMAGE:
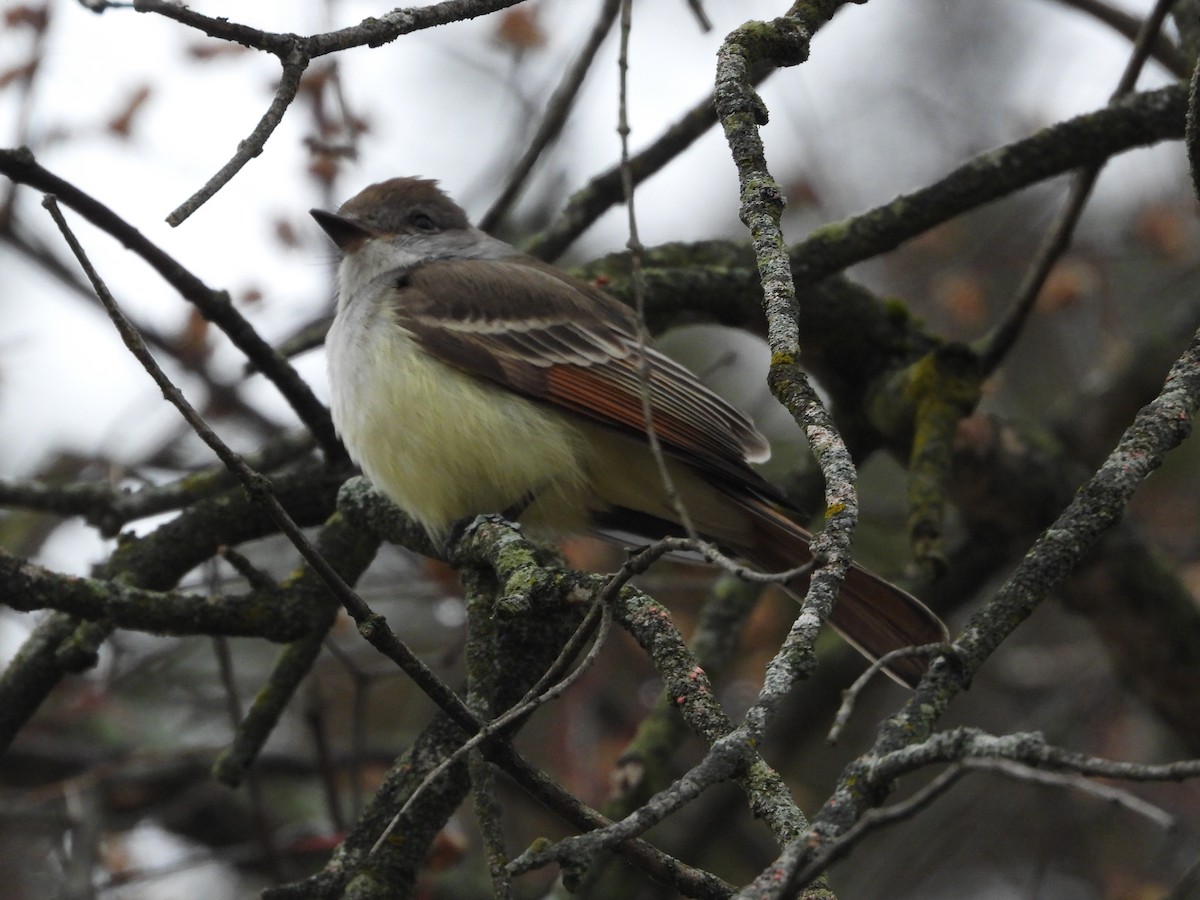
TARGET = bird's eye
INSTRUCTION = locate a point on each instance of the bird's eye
(422, 221)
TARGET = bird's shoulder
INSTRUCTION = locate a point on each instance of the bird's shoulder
(500, 292)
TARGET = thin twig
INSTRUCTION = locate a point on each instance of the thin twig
(218, 27)
(702, 19)
(604, 190)
(361, 681)
(373, 31)
(252, 145)
(112, 602)
(637, 279)
(213, 305)
(1188, 885)
(327, 774)
(542, 692)
(552, 684)
(258, 488)
(110, 507)
(1192, 131)
(851, 694)
(1162, 48)
(996, 345)
(258, 814)
(557, 110)
(968, 751)
(1138, 120)
(874, 819)
(1106, 792)
(712, 555)
(489, 815)
(295, 53)
(729, 757)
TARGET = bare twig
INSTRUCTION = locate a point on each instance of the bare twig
(218, 27)
(353, 550)
(1139, 120)
(1188, 885)
(1024, 757)
(109, 508)
(1192, 130)
(258, 811)
(996, 345)
(214, 305)
(373, 627)
(604, 191)
(489, 816)
(252, 145)
(549, 687)
(295, 53)
(872, 820)
(1023, 772)
(223, 394)
(728, 758)
(712, 555)
(557, 109)
(483, 541)
(702, 19)
(851, 694)
(371, 32)
(637, 280)
(1161, 47)
(29, 587)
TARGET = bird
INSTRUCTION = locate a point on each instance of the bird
(467, 377)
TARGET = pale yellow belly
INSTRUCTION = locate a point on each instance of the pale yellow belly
(445, 445)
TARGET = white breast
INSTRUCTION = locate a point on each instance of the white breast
(443, 444)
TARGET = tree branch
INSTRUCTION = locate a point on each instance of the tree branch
(215, 306)
(1139, 120)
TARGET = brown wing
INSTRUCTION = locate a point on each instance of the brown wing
(512, 322)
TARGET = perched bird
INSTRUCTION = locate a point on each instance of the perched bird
(467, 378)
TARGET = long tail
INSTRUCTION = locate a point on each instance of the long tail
(872, 614)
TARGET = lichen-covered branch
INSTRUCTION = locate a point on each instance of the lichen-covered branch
(1100, 503)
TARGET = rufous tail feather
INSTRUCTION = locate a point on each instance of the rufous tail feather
(871, 613)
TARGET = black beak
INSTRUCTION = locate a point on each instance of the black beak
(346, 233)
